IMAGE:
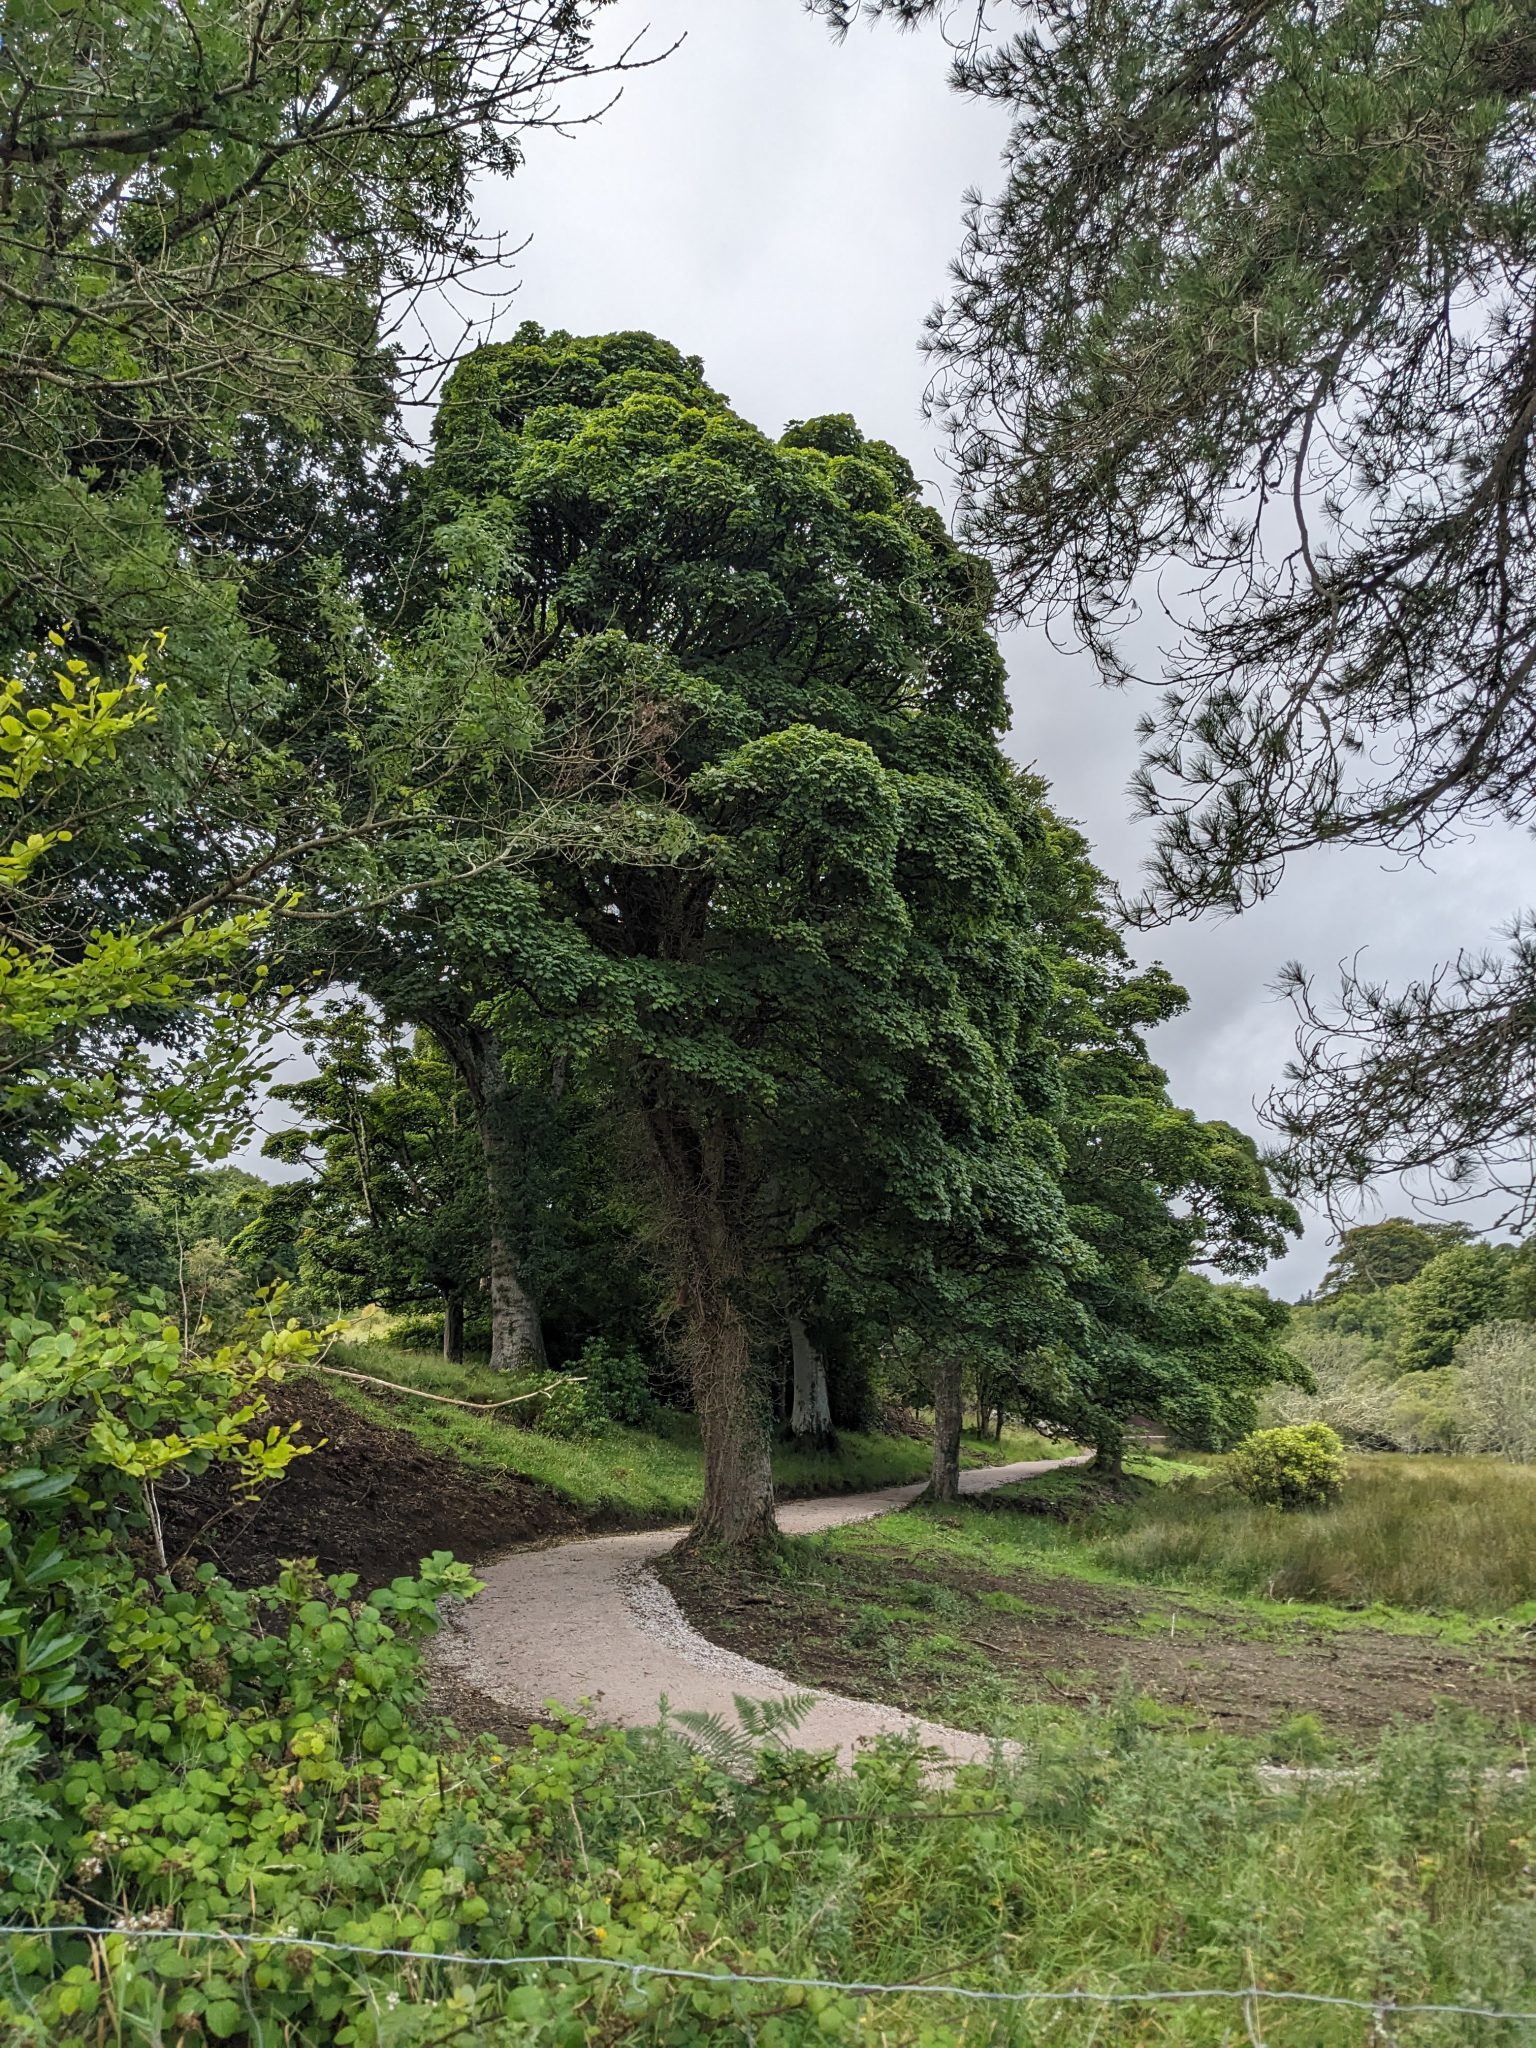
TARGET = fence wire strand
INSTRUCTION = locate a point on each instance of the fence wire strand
(1248, 1995)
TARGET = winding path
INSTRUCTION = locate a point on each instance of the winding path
(590, 1621)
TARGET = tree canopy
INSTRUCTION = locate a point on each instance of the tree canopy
(813, 1012)
(1254, 311)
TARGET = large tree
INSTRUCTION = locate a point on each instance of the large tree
(1153, 1192)
(1371, 1256)
(1255, 310)
(826, 989)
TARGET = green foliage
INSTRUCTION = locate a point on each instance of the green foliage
(98, 1411)
(568, 1411)
(1301, 1466)
(1457, 1289)
(80, 1075)
(617, 1383)
(394, 1211)
(1373, 1256)
(761, 1725)
(211, 251)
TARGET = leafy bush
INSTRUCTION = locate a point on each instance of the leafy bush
(567, 1411)
(1299, 1466)
(617, 1382)
(97, 1412)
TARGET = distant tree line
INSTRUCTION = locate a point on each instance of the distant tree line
(1422, 1337)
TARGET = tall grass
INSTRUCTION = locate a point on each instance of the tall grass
(1432, 1534)
(654, 1474)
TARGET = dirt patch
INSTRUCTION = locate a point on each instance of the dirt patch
(1067, 1641)
(373, 1500)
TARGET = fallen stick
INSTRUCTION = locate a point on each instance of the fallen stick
(566, 1379)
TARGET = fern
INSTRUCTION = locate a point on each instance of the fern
(762, 1724)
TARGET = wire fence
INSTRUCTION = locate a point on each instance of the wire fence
(1249, 1998)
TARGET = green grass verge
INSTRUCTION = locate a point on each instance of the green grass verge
(1425, 1535)
(652, 1475)
(1427, 1540)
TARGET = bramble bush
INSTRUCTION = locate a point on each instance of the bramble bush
(1300, 1465)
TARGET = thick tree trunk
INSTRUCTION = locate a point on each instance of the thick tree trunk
(517, 1336)
(948, 1413)
(737, 1508)
(810, 1415)
(453, 1327)
(700, 1179)
(517, 1339)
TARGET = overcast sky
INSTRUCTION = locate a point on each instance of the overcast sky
(785, 206)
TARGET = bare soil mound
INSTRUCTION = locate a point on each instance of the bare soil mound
(372, 1500)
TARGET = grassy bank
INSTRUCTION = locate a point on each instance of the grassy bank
(654, 1474)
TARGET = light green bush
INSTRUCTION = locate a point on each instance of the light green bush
(1300, 1466)
(1498, 1390)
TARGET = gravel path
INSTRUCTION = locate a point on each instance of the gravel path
(590, 1621)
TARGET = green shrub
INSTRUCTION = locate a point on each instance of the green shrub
(1299, 1466)
(618, 1383)
(568, 1412)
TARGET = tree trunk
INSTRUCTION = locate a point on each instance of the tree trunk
(810, 1416)
(1109, 1451)
(453, 1327)
(948, 1413)
(737, 1508)
(517, 1338)
(701, 1181)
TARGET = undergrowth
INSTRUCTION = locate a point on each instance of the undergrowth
(652, 1474)
(183, 1755)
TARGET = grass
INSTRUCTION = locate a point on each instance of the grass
(1425, 1535)
(977, 1613)
(1433, 1537)
(650, 1475)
